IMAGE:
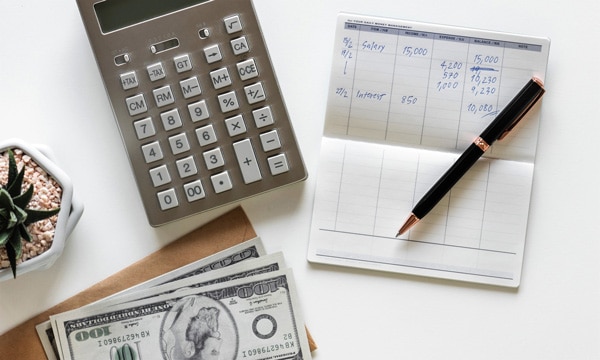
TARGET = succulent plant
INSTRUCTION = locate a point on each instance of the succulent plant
(14, 214)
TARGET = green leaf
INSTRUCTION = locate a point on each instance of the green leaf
(23, 200)
(6, 200)
(4, 237)
(12, 258)
(15, 242)
(24, 233)
(12, 167)
(14, 188)
(37, 215)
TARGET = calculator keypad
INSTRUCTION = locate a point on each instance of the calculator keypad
(208, 120)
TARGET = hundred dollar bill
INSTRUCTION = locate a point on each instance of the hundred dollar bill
(247, 250)
(267, 263)
(256, 318)
(261, 265)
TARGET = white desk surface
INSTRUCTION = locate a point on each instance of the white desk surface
(51, 93)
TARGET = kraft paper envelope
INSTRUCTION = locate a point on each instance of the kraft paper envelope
(232, 228)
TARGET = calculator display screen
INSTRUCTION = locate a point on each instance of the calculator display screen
(117, 14)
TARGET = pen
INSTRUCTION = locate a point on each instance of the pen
(497, 130)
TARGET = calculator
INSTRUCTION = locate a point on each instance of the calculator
(196, 101)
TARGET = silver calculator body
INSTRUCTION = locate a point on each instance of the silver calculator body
(196, 101)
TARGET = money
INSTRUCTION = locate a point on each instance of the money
(254, 318)
(245, 251)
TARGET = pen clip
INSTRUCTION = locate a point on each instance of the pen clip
(522, 115)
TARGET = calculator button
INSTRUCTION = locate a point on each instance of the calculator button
(182, 63)
(167, 199)
(179, 144)
(186, 167)
(254, 93)
(247, 69)
(235, 125)
(212, 54)
(206, 135)
(233, 24)
(129, 80)
(270, 140)
(156, 72)
(220, 78)
(228, 102)
(239, 45)
(144, 128)
(171, 119)
(152, 152)
(163, 96)
(190, 87)
(136, 104)
(247, 161)
(194, 191)
(221, 182)
(160, 176)
(213, 159)
(263, 117)
(198, 111)
(278, 164)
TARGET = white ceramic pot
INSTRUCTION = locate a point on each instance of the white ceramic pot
(68, 216)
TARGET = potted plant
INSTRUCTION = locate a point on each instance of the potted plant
(37, 209)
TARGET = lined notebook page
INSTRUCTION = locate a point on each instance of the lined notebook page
(405, 99)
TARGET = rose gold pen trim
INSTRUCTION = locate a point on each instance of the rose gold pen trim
(409, 223)
(482, 144)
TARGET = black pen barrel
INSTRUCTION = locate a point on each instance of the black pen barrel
(447, 181)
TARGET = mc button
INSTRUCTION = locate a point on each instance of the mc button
(136, 105)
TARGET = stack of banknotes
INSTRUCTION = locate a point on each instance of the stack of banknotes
(240, 303)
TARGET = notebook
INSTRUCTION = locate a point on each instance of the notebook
(405, 99)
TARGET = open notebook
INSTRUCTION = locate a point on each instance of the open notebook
(405, 99)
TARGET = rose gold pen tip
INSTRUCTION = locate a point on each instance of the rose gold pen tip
(408, 224)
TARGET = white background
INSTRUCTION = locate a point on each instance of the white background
(51, 93)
